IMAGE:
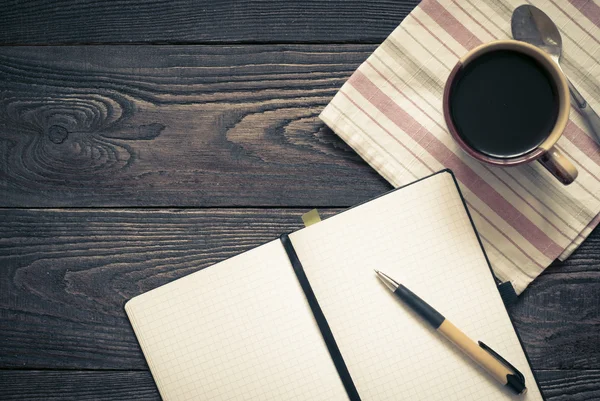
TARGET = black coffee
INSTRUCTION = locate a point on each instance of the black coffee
(504, 103)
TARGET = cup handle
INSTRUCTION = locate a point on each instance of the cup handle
(560, 167)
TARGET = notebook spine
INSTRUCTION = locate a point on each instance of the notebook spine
(330, 342)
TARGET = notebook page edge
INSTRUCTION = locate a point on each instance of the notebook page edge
(496, 282)
(296, 237)
(130, 309)
(137, 304)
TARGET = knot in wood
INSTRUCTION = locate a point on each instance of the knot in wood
(57, 134)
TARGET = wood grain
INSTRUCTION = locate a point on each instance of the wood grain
(203, 21)
(576, 385)
(561, 385)
(176, 126)
(224, 125)
(19, 385)
(66, 274)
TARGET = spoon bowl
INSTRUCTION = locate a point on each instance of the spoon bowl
(530, 24)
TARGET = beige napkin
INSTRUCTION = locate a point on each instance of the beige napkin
(390, 112)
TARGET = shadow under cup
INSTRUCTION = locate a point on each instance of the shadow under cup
(507, 103)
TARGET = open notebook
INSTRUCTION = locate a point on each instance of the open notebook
(243, 329)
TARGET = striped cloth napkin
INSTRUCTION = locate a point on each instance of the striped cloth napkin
(390, 112)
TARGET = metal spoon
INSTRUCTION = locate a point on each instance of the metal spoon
(530, 24)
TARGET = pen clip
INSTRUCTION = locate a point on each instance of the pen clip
(516, 382)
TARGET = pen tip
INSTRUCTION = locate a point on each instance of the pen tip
(376, 271)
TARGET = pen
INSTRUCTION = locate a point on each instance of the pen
(488, 359)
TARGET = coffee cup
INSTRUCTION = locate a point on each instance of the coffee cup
(506, 103)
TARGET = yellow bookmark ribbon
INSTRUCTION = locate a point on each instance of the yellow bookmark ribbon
(311, 218)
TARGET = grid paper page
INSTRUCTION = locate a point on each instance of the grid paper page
(422, 237)
(239, 330)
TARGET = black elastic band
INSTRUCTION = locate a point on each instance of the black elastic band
(334, 351)
(508, 294)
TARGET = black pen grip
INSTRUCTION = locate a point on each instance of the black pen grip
(433, 317)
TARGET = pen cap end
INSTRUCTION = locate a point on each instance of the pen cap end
(516, 383)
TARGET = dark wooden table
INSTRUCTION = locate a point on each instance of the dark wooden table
(152, 139)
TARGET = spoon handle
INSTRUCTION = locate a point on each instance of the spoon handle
(586, 110)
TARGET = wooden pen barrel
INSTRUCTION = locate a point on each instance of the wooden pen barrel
(485, 357)
(475, 352)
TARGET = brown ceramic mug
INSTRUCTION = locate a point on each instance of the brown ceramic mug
(544, 150)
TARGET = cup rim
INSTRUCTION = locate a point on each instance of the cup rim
(551, 67)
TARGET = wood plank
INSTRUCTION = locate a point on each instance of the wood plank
(561, 385)
(580, 261)
(19, 385)
(558, 318)
(203, 21)
(570, 385)
(176, 126)
(65, 275)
